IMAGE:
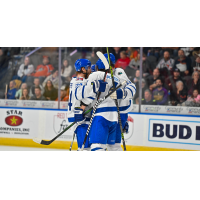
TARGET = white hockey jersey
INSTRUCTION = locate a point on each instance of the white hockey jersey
(107, 108)
(76, 97)
(126, 104)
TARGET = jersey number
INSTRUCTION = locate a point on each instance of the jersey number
(70, 101)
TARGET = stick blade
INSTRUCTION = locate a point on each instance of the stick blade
(44, 142)
(103, 59)
(37, 140)
(40, 141)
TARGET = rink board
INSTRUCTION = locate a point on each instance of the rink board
(147, 131)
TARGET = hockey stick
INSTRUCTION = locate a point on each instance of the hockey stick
(45, 142)
(72, 142)
(103, 59)
(116, 102)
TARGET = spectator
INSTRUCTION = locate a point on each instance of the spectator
(144, 87)
(172, 50)
(123, 62)
(43, 70)
(50, 93)
(36, 84)
(93, 58)
(137, 76)
(180, 94)
(38, 95)
(187, 51)
(134, 65)
(116, 52)
(194, 83)
(146, 69)
(165, 65)
(12, 91)
(54, 78)
(183, 63)
(25, 70)
(196, 64)
(160, 94)
(18, 94)
(170, 82)
(196, 51)
(153, 51)
(132, 52)
(194, 99)
(152, 79)
(25, 95)
(64, 94)
(66, 71)
(148, 98)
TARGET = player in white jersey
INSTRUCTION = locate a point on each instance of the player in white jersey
(78, 100)
(103, 128)
(124, 96)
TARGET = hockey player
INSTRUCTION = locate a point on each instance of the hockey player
(103, 127)
(81, 95)
(124, 96)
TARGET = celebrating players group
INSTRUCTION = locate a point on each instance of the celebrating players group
(89, 83)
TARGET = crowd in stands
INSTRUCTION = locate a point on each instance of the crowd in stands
(170, 75)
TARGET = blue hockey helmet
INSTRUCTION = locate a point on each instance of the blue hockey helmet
(100, 64)
(93, 68)
(82, 63)
(112, 57)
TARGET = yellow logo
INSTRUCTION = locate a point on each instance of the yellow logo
(13, 120)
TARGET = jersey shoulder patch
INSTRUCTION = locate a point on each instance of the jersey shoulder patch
(79, 79)
(119, 71)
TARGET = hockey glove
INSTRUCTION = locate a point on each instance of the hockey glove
(126, 127)
(78, 114)
(99, 86)
(118, 94)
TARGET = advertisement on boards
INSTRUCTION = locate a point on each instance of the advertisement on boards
(174, 131)
(56, 122)
(16, 123)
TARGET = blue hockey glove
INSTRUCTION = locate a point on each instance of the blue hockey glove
(102, 86)
(126, 127)
(118, 94)
(99, 86)
(78, 114)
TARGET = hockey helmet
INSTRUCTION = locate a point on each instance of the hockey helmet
(82, 63)
(112, 57)
(93, 68)
(100, 64)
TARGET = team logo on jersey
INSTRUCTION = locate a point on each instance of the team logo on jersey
(128, 135)
(78, 84)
